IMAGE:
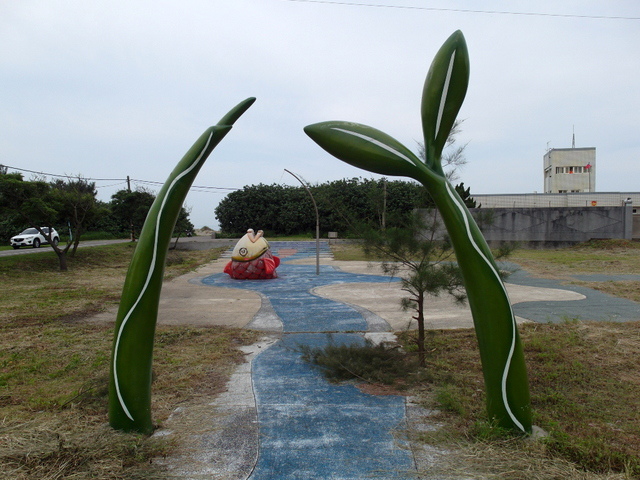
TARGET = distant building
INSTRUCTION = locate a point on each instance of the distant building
(570, 170)
(569, 211)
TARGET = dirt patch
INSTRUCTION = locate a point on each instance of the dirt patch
(379, 389)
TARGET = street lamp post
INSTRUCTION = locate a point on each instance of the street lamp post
(317, 220)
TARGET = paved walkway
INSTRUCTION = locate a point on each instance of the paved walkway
(310, 428)
(593, 306)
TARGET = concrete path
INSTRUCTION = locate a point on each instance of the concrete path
(592, 306)
(310, 428)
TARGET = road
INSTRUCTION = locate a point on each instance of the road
(201, 242)
(47, 248)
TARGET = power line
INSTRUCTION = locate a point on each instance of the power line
(136, 180)
(461, 10)
(66, 176)
(111, 185)
(119, 180)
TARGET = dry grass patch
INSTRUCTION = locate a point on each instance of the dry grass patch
(53, 396)
(351, 251)
(580, 376)
(509, 459)
(612, 257)
(54, 368)
(180, 262)
(72, 446)
(622, 289)
(608, 257)
(585, 388)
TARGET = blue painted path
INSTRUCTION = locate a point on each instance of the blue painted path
(596, 306)
(309, 428)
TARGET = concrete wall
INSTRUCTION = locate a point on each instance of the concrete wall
(555, 226)
(556, 200)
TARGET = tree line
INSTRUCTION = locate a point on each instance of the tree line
(71, 207)
(344, 206)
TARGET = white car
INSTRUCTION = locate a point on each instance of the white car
(31, 237)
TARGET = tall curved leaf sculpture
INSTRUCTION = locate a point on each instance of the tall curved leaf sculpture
(370, 149)
(130, 382)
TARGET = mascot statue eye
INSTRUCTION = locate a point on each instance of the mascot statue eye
(243, 251)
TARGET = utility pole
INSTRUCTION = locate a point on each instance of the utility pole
(133, 232)
(384, 204)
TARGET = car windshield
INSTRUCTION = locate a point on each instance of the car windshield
(30, 231)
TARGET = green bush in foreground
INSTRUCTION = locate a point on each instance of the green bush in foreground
(365, 362)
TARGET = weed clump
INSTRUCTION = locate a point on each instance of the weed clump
(365, 362)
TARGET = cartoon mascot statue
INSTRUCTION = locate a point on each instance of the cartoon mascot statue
(252, 259)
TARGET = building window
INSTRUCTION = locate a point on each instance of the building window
(571, 170)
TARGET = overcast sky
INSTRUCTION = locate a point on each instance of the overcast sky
(110, 89)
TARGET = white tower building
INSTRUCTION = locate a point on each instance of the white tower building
(570, 170)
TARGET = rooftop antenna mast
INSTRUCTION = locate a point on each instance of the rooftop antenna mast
(573, 139)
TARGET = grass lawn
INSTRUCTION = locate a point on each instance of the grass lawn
(608, 257)
(54, 367)
(585, 392)
(351, 251)
(597, 256)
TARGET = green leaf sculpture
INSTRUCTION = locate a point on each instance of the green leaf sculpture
(501, 353)
(131, 361)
